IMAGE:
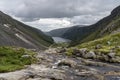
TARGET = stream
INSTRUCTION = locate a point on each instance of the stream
(57, 66)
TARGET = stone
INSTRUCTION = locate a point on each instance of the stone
(90, 54)
(76, 52)
(98, 46)
(25, 56)
(67, 62)
(83, 51)
(105, 57)
(111, 55)
(2, 78)
(115, 59)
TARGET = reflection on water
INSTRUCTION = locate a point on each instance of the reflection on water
(60, 40)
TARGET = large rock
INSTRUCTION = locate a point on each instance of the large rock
(51, 51)
(76, 52)
(67, 62)
(111, 55)
(90, 54)
(115, 59)
(83, 51)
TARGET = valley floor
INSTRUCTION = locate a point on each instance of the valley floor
(57, 66)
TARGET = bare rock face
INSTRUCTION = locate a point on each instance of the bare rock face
(15, 33)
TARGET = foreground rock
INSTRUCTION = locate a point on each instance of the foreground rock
(57, 66)
(85, 53)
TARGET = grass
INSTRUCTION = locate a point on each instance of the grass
(107, 43)
(11, 58)
(63, 44)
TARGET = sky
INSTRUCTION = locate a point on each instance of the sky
(52, 14)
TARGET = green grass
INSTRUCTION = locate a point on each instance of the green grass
(107, 43)
(11, 58)
(64, 44)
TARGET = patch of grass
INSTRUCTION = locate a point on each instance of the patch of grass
(64, 44)
(11, 58)
(69, 52)
(107, 43)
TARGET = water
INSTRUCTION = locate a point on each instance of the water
(60, 40)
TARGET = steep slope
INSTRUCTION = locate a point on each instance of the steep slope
(106, 26)
(15, 33)
(64, 32)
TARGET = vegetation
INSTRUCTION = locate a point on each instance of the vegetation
(106, 44)
(14, 58)
(64, 44)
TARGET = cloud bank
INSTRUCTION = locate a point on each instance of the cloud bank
(72, 11)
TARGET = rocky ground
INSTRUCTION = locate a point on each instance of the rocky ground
(54, 65)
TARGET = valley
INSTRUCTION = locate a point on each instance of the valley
(79, 52)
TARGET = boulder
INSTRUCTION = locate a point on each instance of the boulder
(115, 59)
(104, 57)
(111, 55)
(83, 51)
(90, 54)
(98, 46)
(67, 62)
(76, 52)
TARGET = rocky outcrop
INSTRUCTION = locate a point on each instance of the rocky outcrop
(85, 53)
(60, 67)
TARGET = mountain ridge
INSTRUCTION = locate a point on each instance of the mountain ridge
(15, 33)
(107, 25)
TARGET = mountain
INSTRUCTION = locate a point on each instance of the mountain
(63, 32)
(106, 26)
(15, 33)
(57, 32)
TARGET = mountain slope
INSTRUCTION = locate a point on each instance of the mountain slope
(106, 26)
(57, 32)
(64, 32)
(15, 33)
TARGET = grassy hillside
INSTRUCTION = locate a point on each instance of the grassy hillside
(106, 26)
(105, 49)
(106, 43)
(12, 58)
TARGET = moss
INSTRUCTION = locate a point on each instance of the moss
(69, 52)
(117, 50)
(11, 58)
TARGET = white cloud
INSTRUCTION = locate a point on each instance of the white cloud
(52, 14)
(47, 24)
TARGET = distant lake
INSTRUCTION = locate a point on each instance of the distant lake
(60, 40)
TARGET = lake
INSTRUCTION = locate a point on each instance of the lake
(60, 40)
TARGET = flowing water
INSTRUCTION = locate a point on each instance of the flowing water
(57, 66)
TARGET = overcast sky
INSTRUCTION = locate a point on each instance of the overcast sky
(51, 14)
